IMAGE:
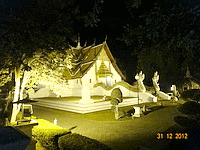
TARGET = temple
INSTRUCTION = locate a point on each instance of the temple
(91, 65)
(91, 77)
(188, 82)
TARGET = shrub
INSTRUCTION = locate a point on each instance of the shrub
(196, 96)
(189, 93)
(114, 102)
(130, 112)
(116, 96)
(47, 134)
(185, 121)
(175, 128)
(116, 93)
(78, 142)
(190, 108)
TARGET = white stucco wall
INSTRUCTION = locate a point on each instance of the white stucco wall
(90, 77)
(43, 92)
(116, 76)
(146, 97)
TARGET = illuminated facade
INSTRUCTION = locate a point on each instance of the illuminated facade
(94, 72)
(91, 65)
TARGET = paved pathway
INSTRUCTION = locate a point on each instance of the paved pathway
(125, 135)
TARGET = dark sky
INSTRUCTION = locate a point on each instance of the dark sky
(8, 5)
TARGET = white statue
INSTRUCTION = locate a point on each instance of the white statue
(140, 77)
(155, 81)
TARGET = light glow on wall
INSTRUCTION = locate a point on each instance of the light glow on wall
(108, 80)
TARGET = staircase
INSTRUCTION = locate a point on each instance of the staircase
(83, 108)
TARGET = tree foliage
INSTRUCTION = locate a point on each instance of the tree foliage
(116, 96)
(47, 70)
(38, 27)
(196, 96)
(165, 37)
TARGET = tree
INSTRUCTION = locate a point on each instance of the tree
(116, 98)
(196, 96)
(190, 108)
(44, 68)
(47, 69)
(165, 37)
(32, 28)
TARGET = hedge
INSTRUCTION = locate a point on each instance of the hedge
(47, 134)
(190, 108)
(78, 142)
(189, 94)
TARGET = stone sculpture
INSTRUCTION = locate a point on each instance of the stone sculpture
(155, 81)
(140, 77)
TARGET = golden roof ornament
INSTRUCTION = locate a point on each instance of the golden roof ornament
(78, 42)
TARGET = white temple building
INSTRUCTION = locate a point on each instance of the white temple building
(94, 73)
(92, 65)
(95, 65)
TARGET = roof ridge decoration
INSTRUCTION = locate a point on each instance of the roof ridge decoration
(106, 37)
(83, 58)
(79, 56)
(78, 42)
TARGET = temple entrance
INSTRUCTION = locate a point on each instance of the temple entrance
(186, 87)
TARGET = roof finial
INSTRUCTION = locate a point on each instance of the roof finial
(106, 37)
(94, 41)
(85, 44)
(78, 42)
(188, 75)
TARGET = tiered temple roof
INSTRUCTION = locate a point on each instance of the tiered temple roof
(84, 58)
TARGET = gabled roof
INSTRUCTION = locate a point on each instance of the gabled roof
(84, 58)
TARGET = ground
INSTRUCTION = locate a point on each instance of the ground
(123, 134)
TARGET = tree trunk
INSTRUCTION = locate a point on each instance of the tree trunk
(25, 78)
(16, 94)
(116, 112)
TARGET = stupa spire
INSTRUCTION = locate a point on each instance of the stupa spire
(188, 75)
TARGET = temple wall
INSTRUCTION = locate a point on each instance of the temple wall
(43, 92)
(147, 97)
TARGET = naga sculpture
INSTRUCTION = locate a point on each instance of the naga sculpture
(140, 77)
(155, 81)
